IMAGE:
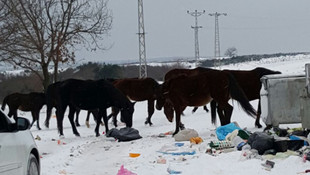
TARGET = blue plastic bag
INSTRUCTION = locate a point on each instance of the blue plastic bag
(223, 131)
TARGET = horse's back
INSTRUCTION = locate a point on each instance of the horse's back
(185, 72)
(138, 89)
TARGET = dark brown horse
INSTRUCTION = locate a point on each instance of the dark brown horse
(186, 72)
(249, 81)
(88, 95)
(32, 102)
(138, 90)
(199, 90)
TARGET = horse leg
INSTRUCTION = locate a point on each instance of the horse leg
(178, 111)
(102, 113)
(96, 112)
(15, 115)
(87, 119)
(150, 108)
(98, 120)
(225, 112)
(48, 116)
(259, 112)
(60, 116)
(71, 119)
(194, 110)
(205, 108)
(114, 114)
(35, 117)
(77, 113)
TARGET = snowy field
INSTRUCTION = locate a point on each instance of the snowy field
(90, 155)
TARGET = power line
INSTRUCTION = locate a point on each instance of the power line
(217, 52)
(141, 34)
(196, 14)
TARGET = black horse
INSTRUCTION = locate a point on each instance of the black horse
(88, 95)
(32, 102)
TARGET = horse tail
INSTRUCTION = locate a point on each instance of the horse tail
(5, 101)
(213, 111)
(237, 93)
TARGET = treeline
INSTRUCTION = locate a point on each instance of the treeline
(27, 82)
(246, 58)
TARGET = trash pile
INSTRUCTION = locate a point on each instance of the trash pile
(266, 146)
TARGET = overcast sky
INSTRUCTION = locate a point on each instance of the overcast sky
(252, 26)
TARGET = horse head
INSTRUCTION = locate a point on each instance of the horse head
(127, 114)
(168, 111)
(263, 71)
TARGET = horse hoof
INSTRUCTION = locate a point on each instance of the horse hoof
(39, 128)
(146, 122)
(77, 134)
(97, 135)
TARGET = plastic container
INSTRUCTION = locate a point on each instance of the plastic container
(133, 155)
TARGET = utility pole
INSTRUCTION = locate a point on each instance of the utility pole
(217, 52)
(141, 34)
(196, 14)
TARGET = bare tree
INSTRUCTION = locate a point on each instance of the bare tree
(38, 34)
(231, 52)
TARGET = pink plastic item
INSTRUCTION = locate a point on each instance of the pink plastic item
(124, 171)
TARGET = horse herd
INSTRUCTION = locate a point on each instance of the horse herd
(181, 88)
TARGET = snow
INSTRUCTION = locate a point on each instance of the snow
(101, 155)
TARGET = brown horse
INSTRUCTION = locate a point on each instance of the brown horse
(33, 102)
(199, 90)
(186, 72)
(249, 81)
(138, 90)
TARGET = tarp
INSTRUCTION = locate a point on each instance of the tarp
(124, 134)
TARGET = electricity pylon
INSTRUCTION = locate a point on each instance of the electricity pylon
(196, 14)
(217, 52)
(141, 34)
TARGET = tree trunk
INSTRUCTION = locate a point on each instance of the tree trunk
(55, 71)
(46, 75)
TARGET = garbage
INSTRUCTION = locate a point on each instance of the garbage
(250, 154)
(134, 155)
(268, 164)
(179, 144)
(124, 134)
(306, 171)
(170, 171)
(38, 138)
(222, 131)
(124, 171)
(261, 142)
(196, 140)
(59, 142)
(161, 160)
(185, 135)
(221, 144)
(182, 153)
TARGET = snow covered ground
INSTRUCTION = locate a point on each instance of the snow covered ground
(90, 155)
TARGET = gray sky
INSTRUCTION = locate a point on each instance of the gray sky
(252, 26)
